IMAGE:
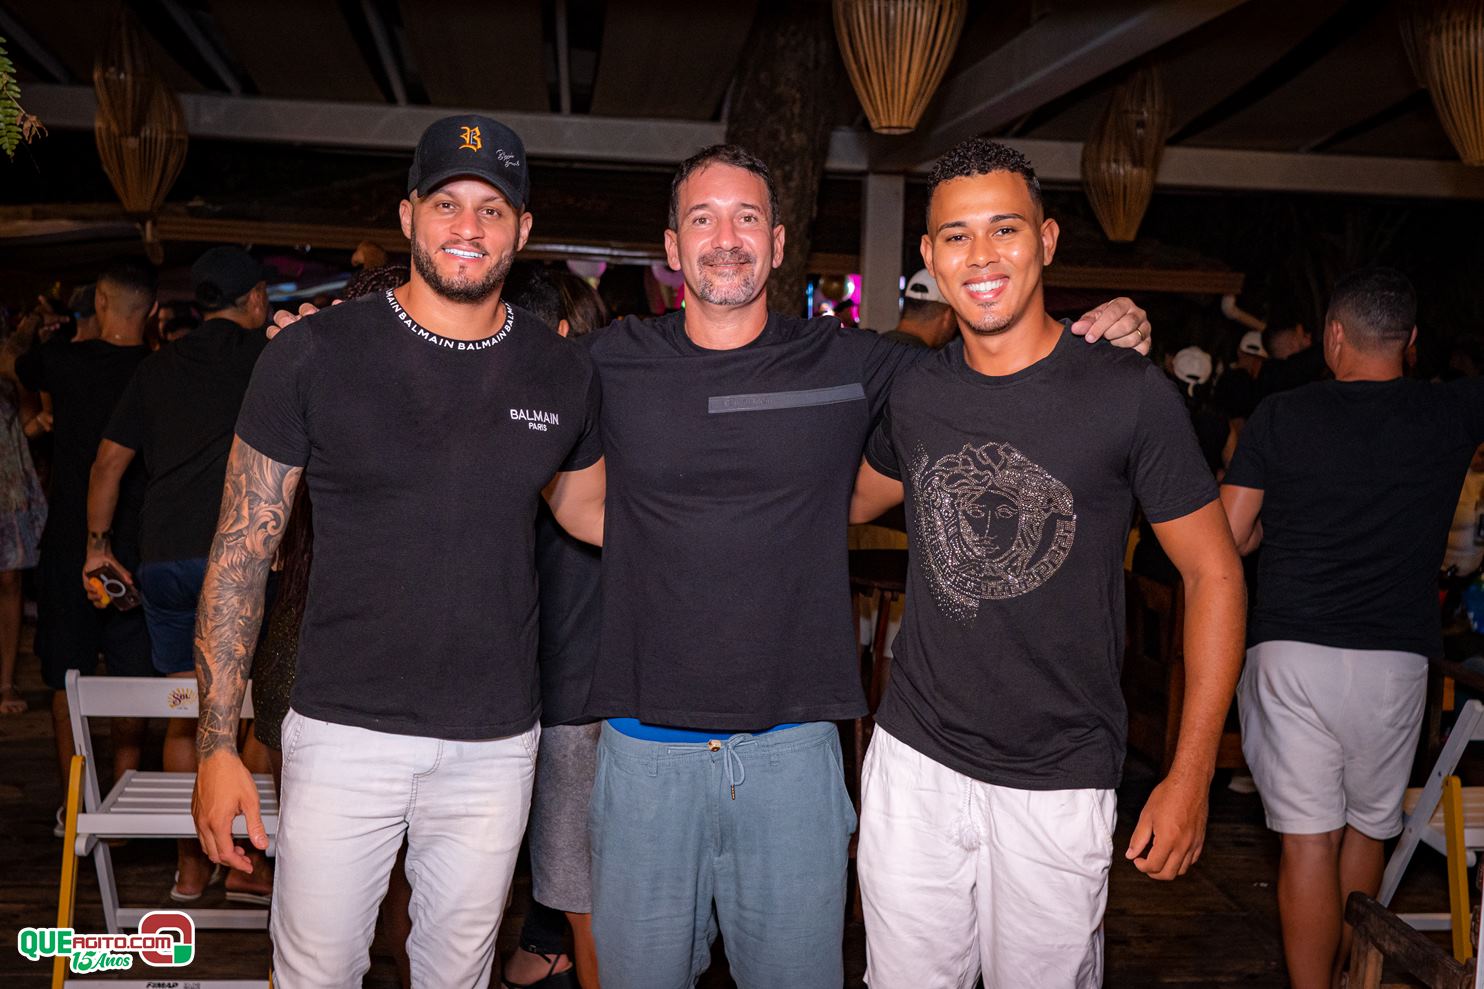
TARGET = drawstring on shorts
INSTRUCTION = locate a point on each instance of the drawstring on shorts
(736, 772)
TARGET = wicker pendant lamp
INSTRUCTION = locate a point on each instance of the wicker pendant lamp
(1121, 158)
(1445, 41)
(139, 128)
(896, 52)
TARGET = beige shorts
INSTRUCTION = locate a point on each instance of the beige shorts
(1330, 734)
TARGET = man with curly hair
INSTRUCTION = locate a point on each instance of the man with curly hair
(988, 799)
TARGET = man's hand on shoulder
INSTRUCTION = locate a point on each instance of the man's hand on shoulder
(1120, 322)
(283, 318)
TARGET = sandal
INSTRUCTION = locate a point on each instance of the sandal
(551, 980)
(179, 897)
(260, 896)
(247, 896)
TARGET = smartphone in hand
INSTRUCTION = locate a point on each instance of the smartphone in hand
(121, 595)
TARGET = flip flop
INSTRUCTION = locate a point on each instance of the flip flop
(11, 702)
(179, 897)
(257, 899)
(551, 980)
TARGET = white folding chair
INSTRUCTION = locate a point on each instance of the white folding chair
(1424, 819)
(145, 805)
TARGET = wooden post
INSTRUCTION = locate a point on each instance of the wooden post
(780, 109)
(1366, 962)
(67, 895)
(1458, 869)
(881, 250)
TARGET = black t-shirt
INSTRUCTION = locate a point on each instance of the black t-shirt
(1359, 482)
(726, 599)
(902, 336)
(85, 381)
(1020, 490)
(1235, 393)
(425, 459)
(177, 413)
(1285, 374)
(571, 613)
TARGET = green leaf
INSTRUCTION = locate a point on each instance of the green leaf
(11, 111)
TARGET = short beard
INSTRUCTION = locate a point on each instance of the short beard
(989, 324)
(463, 290)
(737, 293)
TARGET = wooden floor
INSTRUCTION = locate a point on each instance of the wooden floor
(1216, 926)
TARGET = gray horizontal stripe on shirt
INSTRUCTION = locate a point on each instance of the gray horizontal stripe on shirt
(764, 401)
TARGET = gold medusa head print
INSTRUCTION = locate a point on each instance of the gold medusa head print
(993, 523)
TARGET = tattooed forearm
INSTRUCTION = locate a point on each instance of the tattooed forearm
(255, 509)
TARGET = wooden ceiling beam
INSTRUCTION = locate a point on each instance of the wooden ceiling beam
(1200, 69)
(1071, 46)
(317, 54)
(577, 138)
(687, 81)
(1350, 69)
(26, 44)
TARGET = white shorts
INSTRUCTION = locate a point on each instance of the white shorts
(959, 876)
(1330, 734)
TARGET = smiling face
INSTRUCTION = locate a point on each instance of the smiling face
(464, 237)
(986, 244)
(725, 243)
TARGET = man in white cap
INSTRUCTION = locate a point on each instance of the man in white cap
(1251, 346)
(1191, 367)
(1236, 390)
(927, 321)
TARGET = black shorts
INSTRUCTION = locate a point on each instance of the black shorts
(70, 632)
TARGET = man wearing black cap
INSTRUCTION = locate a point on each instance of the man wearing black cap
(426, 422)
(176, 415)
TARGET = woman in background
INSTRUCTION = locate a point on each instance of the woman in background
(22, 506)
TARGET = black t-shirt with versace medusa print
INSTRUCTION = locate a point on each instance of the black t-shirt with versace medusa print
(425, 459)
(1019, 494)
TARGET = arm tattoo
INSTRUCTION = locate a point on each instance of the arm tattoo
(255, 509)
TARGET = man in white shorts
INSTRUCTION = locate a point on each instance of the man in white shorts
(987, 807)
(1349, 485)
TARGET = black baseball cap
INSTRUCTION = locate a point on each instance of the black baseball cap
(223, 275)
(469, 144)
